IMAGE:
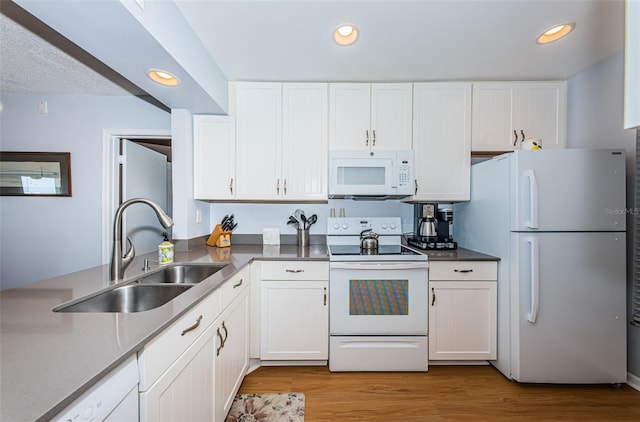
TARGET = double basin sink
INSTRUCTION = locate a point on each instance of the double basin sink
(147, 292)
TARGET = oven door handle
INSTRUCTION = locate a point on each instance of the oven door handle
(378, 265)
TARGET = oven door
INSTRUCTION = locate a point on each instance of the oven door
(378, 298)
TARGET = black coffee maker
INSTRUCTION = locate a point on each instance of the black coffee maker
(432, 227)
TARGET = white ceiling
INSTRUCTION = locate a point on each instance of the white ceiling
(419, 40)
(404, 40)
(31, 65)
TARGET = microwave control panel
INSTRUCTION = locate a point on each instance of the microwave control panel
(404, 173)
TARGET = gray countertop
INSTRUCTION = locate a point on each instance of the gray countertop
(459, 254)
(48, 359)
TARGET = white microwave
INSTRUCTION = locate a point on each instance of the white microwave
(361, 174)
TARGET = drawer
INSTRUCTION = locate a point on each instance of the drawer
(234, 286)
(160, 353)
(294, 270)
(463, 270)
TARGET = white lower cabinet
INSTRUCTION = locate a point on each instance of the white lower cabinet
(294, 310)
(184, 391)
(462, 310)
(193, 370)
(232, 353)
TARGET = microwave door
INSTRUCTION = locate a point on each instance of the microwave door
(361, 177)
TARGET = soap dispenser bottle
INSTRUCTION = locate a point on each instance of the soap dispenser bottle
(165, 251)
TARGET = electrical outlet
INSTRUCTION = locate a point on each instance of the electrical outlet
(198, 216)
(42, 107)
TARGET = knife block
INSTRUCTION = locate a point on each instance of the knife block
(219, 237)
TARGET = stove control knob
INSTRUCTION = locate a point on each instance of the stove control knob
(345, 226)
(384, 226)
(336, 226)
(393, 226)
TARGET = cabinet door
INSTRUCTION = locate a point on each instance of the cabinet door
(258, 140)
(295, 320)
(442, 141)
(185, 391)
(391, 105)
(462, 320)
(542, 112)
(494, 107)
(214, 157)
(304, 141)
(349, 116)
(232, 353)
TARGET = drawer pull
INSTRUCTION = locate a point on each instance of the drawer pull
(433, 296)
(193, 327)
(463, 271)
(238, 284)
(294, 271)
(221, 342)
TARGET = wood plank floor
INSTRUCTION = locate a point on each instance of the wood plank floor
(445, 393)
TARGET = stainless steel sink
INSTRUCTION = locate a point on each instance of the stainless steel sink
(182, 274)
(145, 293)
(128, 298)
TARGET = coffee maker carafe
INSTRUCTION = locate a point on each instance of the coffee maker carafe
(428, 228)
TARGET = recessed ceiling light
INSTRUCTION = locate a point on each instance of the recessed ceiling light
(346, 34)
(162, 77)
(555, 33)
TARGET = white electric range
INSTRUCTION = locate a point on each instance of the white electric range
(378, 308)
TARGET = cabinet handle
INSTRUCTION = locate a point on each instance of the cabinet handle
(294, 271)
(366, 138)
(415, 182)
(374, 137)
(221, 342)
(462, 271)
(193, 327)
(278, 186)
(226, 334)
(515, 137)
(433, 296)
(325, 297)
(238, 284)
(231, 186)
(522, 132)
(285, 186)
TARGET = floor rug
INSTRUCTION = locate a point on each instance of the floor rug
(277, 407)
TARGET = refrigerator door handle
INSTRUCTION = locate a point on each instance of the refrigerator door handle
(533, 199)
(534, 279)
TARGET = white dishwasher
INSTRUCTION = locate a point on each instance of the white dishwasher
(113, 398)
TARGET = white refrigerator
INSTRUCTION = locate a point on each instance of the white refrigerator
(556, 219)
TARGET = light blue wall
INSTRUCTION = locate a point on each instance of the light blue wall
(43, 237)
(594, 120)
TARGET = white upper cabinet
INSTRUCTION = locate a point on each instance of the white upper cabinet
(304, 141)
(505, 113)
(214, 152)
(370, 116)
(442, 141)
(258, 140)
(281, 143)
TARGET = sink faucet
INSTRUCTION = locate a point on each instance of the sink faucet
(120, 262)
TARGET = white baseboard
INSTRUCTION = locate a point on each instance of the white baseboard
(633, 381)
(458, 362)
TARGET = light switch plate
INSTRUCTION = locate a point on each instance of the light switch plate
(270, 236)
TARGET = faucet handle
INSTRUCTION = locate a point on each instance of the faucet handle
(129, 255)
